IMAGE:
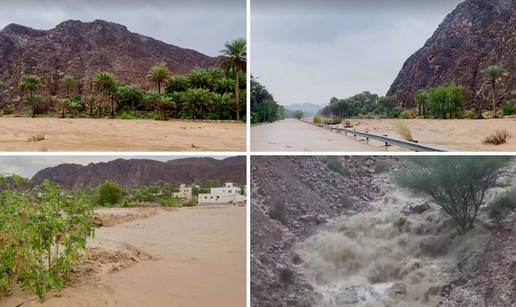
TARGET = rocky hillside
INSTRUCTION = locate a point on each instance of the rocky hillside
(477, 34)
(85, 48)
(136, 172)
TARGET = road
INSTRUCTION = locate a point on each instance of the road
(295, 135)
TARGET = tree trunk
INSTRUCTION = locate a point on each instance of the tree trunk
(494, 98)
(32, 104)
(237, 95)
(160, 107)
(112, 106)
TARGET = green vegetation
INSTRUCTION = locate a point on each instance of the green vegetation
(263, 106)
(298, 114)
(456, 184)
(110, 193)
(203, 94)
(317, 119)
(335, 165)
(447, 102)
(42, 234)
(499, 137)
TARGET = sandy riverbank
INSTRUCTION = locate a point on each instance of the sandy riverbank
(158, 257)
(86, 134)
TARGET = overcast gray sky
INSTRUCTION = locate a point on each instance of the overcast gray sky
(203, 25)
(28, 166)
(310, 51)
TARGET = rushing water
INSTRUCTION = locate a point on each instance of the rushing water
(383, 257)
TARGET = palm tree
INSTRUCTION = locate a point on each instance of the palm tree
(200, 78)
(494, 73)
(31, 83)
(159, 74)
(69, 82)
(105, 83)
(197, 102)
(421, 99)
(234, 58)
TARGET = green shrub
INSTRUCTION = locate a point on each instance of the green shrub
(127, 114)
(8, 110)
(298, 114)
(170, 202)
(508, 109)
(469, 114)
(335, 165)
(317, 119)
(502, 206)
(110, 193)
(332, 121)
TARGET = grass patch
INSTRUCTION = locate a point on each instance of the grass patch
(499, 137)
(404, 131)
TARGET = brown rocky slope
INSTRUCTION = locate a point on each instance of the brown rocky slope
(85, 48)
(142, 172)
(477, 34)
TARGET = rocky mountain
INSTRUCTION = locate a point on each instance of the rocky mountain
(137, 172)
(85, 48)
(477, 34)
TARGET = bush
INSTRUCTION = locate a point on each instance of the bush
(335, 165)
(502, 206)
(40, 245)
(332, 121)
(469, 114)
(170, 202)
(127, 114)
(499, 137)
(298, 114)
(348, 124)
(508, 109)
(317, 119)
(110, 193)
(457, 184)
(190, 203)
(8, 110)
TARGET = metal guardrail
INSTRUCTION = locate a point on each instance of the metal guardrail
(383, 138)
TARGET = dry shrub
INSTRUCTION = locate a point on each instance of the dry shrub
(317, 120)
(404, 131)
(36, 138)
(348, 124)
(497, 138)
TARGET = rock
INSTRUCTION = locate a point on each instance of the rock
(415, 209)
(477, 34)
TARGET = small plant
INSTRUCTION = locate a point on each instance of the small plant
(170, 202)
(8, 110)
(317, 119)
(508, 109)
(497, 138)
(348, 124)
(404, 131)
(36, 138)
(335, 165)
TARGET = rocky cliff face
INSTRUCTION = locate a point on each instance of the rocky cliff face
(85, 48)
(477, 34)
(138, 172)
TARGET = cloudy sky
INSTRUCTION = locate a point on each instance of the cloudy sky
(203, 25)
(310, 51)
(27, 166)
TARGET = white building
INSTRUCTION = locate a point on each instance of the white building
(229, 194)
(184, 192)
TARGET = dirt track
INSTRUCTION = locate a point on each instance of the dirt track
(185, 257)
(85, 134)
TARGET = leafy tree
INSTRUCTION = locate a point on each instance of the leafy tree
(129, 96)
(457, 184)
(298, 114)
(32, 84)
(158, 75)
(494, 73)
(387, 106)
(422, 102)
(177, 84)
(109, 193)
(105, 83)
(234, 59)
(446, 101)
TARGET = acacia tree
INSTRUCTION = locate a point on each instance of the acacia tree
(32, 84)
(494, 73)
(234, 59)
(69, 82)
(159, 74)
(457, 184)
(105, 83)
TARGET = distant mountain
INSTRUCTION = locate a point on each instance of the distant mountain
(85, 48)
(309, 109)
(141, 172)
(477, 34)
